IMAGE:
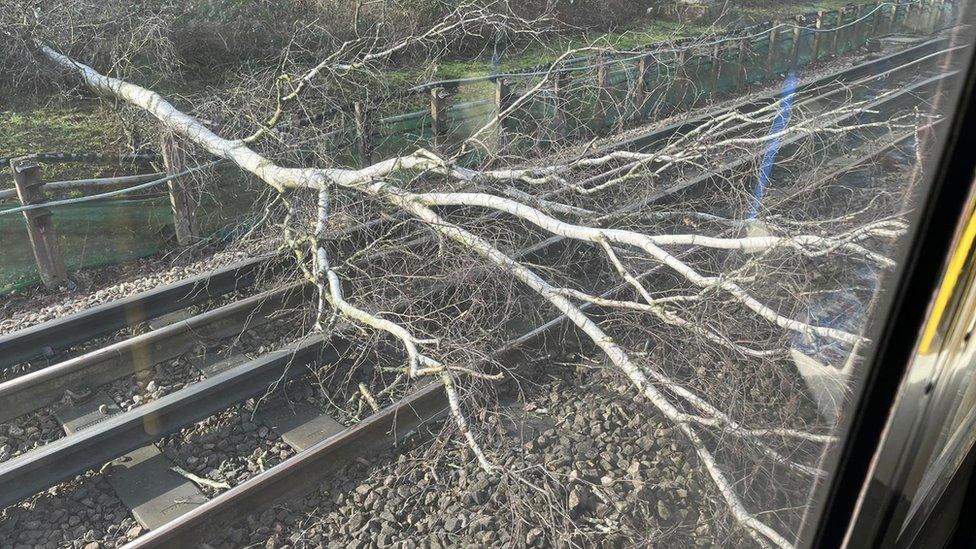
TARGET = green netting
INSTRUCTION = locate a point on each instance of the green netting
(111, 232)
(90, 235)
(670, 83)
(108, 232)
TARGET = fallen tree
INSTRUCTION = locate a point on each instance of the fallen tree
(483, 213)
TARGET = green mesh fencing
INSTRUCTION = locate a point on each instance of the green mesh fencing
(110, 232)
(95, 234)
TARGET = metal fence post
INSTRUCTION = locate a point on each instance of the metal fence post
(40, 225)
(181, 196)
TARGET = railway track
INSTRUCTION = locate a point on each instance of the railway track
(96, 437)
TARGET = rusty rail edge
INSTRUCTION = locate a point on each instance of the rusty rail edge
(299, 474)
(55, 462)
(43, 387)
(47, 338)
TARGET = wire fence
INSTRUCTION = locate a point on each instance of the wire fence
(578, 98)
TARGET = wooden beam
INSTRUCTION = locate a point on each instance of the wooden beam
(364, 133)
(438, 114)
(817, 36)
(181, 194)
(41, 230)
(771, 55)
(639, 92)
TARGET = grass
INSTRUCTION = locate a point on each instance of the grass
(639, 36)
(785, 11)
(88, 125)
(649, 32)
(75, 125)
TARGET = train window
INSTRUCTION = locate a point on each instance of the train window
(678, 273)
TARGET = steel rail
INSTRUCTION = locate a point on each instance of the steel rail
(914, 53)
(299, 474)
(907, 57)
(67, 457)
(131, 356)
(670, 130)
(703, 180)
(47, 338)
(826, 90)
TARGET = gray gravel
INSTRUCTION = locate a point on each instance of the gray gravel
(27, 432)
(229, 447)
(81, 513)
(614, 476)
(99, 286)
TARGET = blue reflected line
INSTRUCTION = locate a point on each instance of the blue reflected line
(769, 158)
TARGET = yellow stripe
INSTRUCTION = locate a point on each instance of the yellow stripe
(949, 282)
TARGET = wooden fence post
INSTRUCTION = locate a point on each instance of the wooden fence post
(716, 68)
(818, 33)
(771, 56)
(503, 102)
(41, 231)
(181, 196)
(835, 48)
(438, 115)
(560, 122)
(677, 86)
(876, 22)
(797, 34)
(930, 23)
(740, 74)
(858, 29)
(640, 87)
(364, 133)
(604, 96)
